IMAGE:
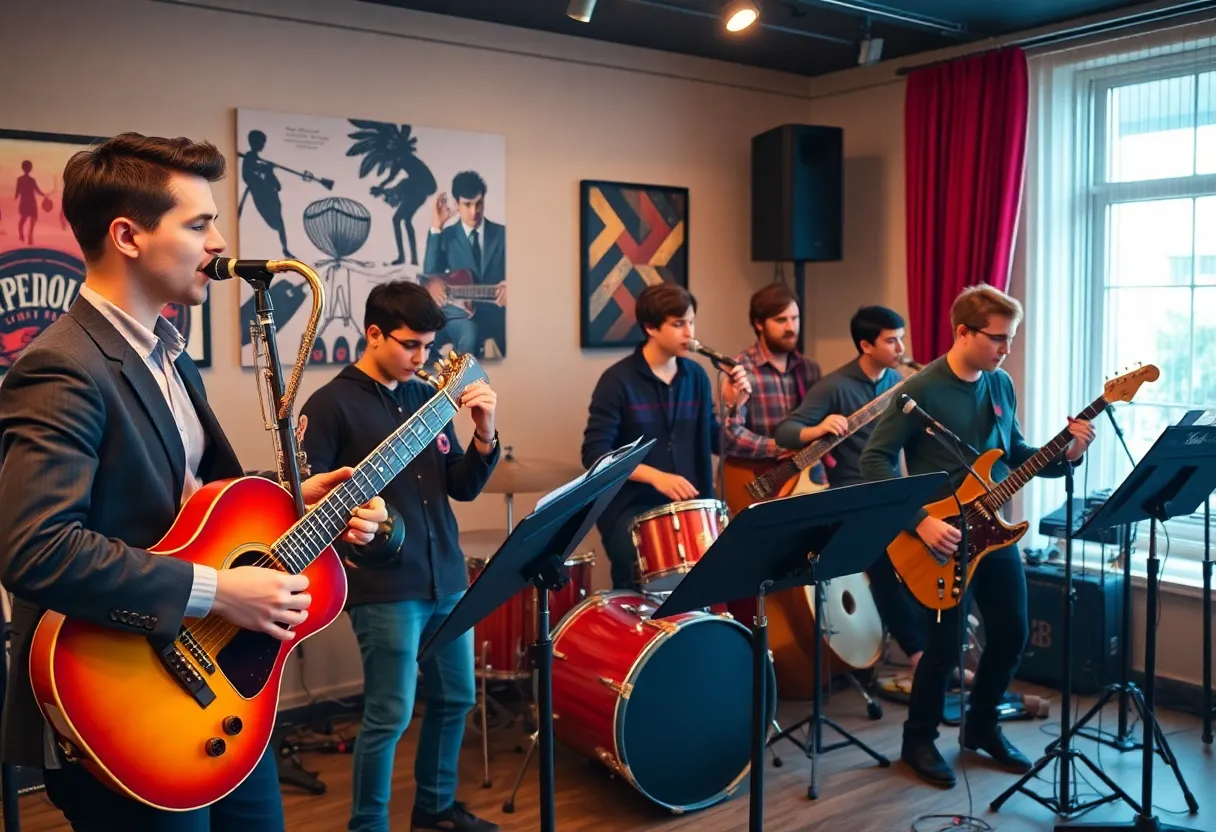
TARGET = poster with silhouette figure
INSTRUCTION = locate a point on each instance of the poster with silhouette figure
(41, 267)
(362, 202)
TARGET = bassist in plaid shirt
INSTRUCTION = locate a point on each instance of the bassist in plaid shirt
(780, 377)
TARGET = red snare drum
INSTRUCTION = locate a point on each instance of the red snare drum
(670, 540)
(665, 704)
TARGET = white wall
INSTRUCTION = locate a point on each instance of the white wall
(569, 108)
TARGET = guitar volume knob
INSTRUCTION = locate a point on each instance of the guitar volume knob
(232, 725)
(216, 747)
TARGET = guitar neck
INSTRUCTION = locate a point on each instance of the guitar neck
(857, 420)
(768, 483)
(311, 534)
(486, 291)
(1017, 479)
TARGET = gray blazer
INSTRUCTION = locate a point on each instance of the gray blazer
(91, 473)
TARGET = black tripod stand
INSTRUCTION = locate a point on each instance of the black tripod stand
(1061, 750)
(813, 745)
(1175, 475)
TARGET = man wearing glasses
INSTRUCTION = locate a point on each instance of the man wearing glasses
(404, 583)
(968, 392)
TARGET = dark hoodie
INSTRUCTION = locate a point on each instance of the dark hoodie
(347, 418)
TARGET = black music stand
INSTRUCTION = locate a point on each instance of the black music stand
(535, 553)
(813, 724)
(789, 542)
(1174, 477)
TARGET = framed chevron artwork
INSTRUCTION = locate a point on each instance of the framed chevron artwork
(631, 236)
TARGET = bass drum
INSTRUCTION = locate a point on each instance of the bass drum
(666, 704)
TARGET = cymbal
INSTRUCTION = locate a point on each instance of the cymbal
(514, 475)
(481, 543)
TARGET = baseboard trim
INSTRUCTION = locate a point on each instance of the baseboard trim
(1174, 694)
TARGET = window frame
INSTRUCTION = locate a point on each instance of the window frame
(1185, 534)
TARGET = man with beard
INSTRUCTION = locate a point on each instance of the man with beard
(780, 378)
(878, 335)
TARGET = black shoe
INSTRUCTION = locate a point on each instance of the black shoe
(924, 759)
(455, 818)
(993, 743)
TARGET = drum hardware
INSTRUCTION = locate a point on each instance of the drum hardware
(813, 745)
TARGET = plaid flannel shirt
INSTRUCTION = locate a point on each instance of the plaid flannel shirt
(749, 430)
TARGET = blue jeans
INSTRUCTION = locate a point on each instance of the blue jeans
(390, 636)
(254, 806)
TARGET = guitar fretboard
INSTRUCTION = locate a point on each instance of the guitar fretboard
(320, 527)
(486, 291)
(1017, 479)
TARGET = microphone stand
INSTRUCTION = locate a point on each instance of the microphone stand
(289, 464)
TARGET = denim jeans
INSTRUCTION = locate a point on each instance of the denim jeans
(390, 636)
(999, 588)
(254, 806)
(622, 554)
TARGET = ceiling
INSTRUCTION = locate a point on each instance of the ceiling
(805, 37)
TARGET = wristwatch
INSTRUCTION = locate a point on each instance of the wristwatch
(492, 442)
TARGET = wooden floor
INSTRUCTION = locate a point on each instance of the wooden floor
(855, 795)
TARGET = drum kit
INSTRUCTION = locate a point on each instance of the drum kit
(622, 681)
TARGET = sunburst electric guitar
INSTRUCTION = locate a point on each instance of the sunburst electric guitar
(935, 579)
(179, 725)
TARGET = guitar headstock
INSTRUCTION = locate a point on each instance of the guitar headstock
(455, 374)
(1123, 388)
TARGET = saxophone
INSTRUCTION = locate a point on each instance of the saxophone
(276, 400)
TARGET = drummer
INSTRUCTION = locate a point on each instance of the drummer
(657, 393)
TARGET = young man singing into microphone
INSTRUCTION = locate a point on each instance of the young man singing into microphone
(968, 393)
(657, 393)
(105, 432)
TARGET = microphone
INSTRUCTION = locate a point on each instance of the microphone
(226, 268)
(712, 355)
(909, 406)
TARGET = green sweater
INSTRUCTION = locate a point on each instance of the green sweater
(982, 413)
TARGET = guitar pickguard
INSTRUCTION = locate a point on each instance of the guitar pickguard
(248, 658)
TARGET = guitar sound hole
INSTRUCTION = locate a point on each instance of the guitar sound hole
(249, 657)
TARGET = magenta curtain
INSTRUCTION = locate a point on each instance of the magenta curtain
(965, 145)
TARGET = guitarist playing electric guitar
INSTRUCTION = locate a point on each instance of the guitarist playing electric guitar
(105, 432)
(968, 393)
(878, 335)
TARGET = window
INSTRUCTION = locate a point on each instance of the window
(1151, 220)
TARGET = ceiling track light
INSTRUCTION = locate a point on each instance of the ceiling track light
(738, 15)
(581, 10)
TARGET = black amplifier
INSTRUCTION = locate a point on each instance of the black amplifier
(1097, 628)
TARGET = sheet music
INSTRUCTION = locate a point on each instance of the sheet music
(597, 466)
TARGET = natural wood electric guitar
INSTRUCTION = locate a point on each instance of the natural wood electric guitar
(179, 725)
(935, 579)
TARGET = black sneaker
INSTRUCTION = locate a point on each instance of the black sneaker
(455, 818)
(1001, 750)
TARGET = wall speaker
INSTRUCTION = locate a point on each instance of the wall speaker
(798, 194)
